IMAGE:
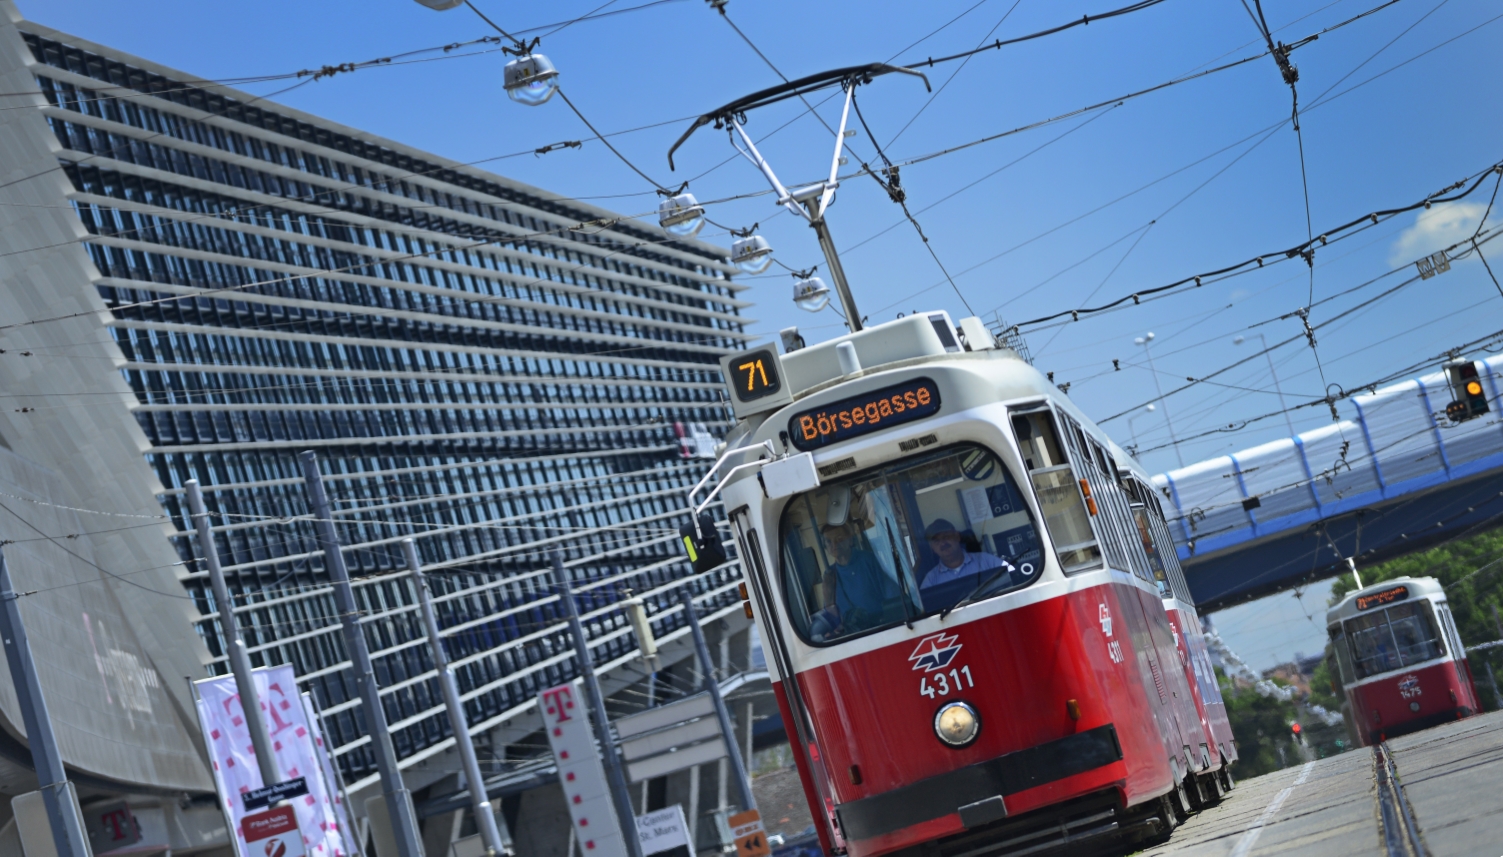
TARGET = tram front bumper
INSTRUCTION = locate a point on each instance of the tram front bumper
(977, 792)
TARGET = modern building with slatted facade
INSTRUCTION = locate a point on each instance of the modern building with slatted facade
(491, 370)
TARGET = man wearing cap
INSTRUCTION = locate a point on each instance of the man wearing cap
(958, 571)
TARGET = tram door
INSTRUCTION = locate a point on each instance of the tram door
(799, 726)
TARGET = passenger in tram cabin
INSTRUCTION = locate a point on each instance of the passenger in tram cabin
(958, 571)
(857, 593)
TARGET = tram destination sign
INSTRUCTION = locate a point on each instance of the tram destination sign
(864, 414)
(1383, 597)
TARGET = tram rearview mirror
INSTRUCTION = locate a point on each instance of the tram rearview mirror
(839, 508)
(789, 475)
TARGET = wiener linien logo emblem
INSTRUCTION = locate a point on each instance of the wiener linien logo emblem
(935, 652)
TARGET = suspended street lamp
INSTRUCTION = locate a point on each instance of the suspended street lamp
(681, 215)
(810, 293)
(751, 253)
(531, 79)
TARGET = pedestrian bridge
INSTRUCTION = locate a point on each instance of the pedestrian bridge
(1398, 478)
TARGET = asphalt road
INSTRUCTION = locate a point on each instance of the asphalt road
(1452, 776)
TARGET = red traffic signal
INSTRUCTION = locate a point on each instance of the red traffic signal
(1294, 728)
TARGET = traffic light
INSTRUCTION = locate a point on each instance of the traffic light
(1468, 397)
(1299, 737)
(702, 542)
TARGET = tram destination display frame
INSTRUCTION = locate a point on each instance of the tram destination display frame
(756, 381)
(816, 428)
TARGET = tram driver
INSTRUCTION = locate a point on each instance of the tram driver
(857, 593)
(958, 572)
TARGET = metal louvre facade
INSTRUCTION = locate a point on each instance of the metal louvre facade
(483, 368)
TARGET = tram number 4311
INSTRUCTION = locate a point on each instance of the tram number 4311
(955, 681)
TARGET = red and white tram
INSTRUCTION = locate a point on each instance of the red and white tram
(1403, 667)
(980, 637)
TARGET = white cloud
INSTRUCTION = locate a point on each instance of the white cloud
(1436, 228)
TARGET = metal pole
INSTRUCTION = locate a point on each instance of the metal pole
(1148, 351)
(398, 802)
(485, 817)
(614, 777)
(1492, 680)
(234, 644)
(738, 765)
(837, 273)
(67, 832)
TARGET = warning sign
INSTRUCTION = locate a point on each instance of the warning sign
(751, 839)
(273, 833)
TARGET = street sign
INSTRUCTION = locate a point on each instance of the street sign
(664, 830)
(273, 833)
(257, 798)
(685, 757)
(671, 737)
(751, 839)
(673, 713)
(679, 735)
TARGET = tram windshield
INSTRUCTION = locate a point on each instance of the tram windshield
(1400, 636)
(917, 537)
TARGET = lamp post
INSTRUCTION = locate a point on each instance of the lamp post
(1144, 341)
(1147, 409)
(1277, 389)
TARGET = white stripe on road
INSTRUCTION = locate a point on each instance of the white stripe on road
(1250, 837)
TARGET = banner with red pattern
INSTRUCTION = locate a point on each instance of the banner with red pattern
(300, 752)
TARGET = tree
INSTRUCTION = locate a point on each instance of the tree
(1261, 725)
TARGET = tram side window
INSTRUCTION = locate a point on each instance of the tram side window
(1155, 560)
(1159, 548)
(1395, 638)
(1343, 654)
(911, 539)
(1113, 519)
(1058, 494)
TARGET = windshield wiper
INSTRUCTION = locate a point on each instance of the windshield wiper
(1001, 570)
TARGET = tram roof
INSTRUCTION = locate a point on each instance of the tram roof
(918, 339)
(1415, 587)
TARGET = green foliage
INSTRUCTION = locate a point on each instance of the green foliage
(1261, 726)
(1471, 570)
(1325, 690)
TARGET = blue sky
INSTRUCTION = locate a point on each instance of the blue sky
(1041, 221)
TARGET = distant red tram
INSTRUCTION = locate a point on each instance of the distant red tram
(980, 636)
(1402, 664)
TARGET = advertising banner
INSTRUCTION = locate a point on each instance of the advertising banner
(300, 752)
(580, 771)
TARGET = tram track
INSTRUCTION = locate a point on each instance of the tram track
(1401, 833)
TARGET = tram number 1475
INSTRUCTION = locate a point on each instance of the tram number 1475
(955, 681)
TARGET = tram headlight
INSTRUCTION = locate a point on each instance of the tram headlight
(957, 724)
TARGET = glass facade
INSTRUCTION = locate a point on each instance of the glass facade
(492, 372)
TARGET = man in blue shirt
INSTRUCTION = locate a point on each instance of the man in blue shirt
(856, 591)
(958, 571)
